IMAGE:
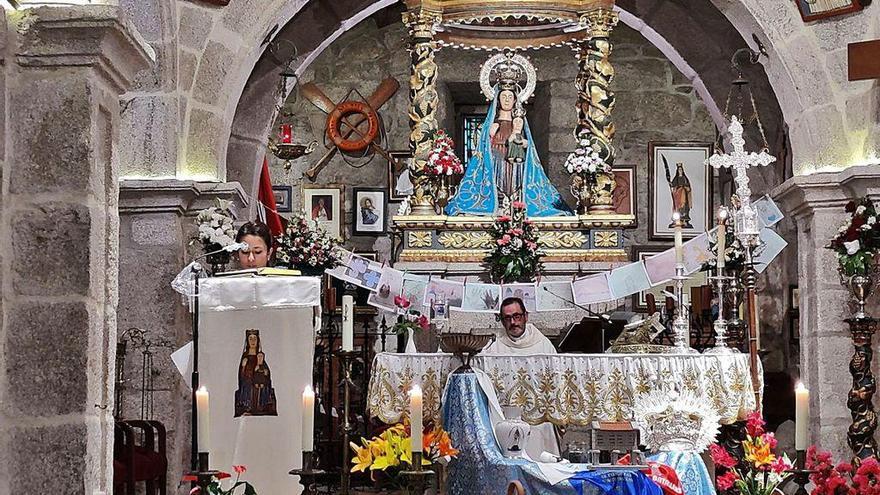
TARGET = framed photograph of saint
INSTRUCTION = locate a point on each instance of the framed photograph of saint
(323, 205)
(813, 10)
(642, 253)
(283, 198)
(679, 180)
(370, 208)
(396, 169)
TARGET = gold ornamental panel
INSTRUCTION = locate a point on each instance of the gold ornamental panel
(478, 255)
(560, 240)
(465, 240)
(606, 239)
(420, 239)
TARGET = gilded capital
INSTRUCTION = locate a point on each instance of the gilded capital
(600, 22)
(422, 23)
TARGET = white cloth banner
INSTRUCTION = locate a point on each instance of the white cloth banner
(256, 345)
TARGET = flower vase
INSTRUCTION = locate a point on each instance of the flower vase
(217, 260)
(309, 270)
(603, 194)
(513, 433)
(860, 285)
(402, 341)
(443, 192)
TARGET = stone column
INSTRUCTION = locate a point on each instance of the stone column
(423, 103)
(816, 202)
(65, 68)
(596, 100)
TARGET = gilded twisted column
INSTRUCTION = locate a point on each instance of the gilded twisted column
(423, 103)
(860, 435)
(596, 100)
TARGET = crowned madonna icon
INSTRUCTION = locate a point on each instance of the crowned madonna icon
(506, 166)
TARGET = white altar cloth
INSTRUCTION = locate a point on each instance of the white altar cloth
(281, 309)
(567, 388)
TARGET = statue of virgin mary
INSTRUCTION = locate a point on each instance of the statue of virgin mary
(506, 164)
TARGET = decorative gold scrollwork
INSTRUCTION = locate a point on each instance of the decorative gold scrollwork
(420, 239)
(465, 240)
(605, 239)
(561, 240)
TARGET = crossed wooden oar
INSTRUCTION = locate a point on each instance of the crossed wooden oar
(380, 96)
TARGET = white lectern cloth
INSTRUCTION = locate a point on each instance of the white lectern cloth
(281, 308)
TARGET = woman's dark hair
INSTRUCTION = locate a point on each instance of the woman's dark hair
(256, 228)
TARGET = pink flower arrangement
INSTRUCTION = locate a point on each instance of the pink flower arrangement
(843, 478)
(515, 255)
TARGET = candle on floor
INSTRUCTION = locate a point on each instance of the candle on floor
(722, 236)
(347, 323)
(679, 252)
(203, 419)
(801, 416)
(308, 424)
(415, 417)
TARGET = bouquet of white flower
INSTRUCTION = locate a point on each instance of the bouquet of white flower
(215, 226)
(585, 160)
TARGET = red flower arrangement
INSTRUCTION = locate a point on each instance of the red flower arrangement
(442, 159)
(408, 319)
(858, 239)
(215, 489)
(842, 479)
(765, 471)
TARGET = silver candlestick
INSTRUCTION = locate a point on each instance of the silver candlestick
(720, 324)
(681, 326)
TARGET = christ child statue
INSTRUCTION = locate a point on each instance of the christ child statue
(517, 143)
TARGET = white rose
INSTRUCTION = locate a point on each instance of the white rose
(860, 210)
(872, 220)
(852, 247)
(865, 227)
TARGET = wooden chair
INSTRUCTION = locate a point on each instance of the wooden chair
(140, 451)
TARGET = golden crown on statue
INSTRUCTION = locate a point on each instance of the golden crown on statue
(511, 71)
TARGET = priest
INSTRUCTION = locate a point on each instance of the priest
(521, 338)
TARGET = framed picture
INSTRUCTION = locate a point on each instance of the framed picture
(794, 298)
(283, 196)
(679, 179)
(639, 301)
(323, 204)
(395, 169)
(813, 10)
(370, 208)
(626, 193)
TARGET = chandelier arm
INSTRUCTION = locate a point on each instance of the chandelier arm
(758, 120)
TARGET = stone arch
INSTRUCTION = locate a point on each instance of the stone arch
(231, 104)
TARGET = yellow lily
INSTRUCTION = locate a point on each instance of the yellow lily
(363, 456)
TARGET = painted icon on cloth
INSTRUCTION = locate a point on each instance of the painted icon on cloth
(255, 395)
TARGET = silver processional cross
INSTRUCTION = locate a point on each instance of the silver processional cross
(745, 216)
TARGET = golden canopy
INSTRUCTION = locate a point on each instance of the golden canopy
(509, 24)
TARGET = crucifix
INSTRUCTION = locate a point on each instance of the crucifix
(746, 227)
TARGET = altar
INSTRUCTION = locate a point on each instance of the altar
(568, 389)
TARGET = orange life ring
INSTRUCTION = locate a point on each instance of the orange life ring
(360, 140)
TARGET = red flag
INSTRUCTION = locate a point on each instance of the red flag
(267, 202)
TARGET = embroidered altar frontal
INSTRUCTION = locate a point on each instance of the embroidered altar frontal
(567, 388)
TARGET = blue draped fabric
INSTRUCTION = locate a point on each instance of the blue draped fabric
(481, 469)
(691, 471)
(478, 192)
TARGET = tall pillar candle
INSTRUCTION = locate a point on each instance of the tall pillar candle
(415, 417)
(308, 420)
(721, 243)
(347, 323)
(679, 250)
(801, 417)
(203, 419)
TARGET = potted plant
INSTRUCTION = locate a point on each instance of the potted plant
(842, 478)
(215, 487)
(215, 232)
(856, 244)
(761, 473)
(585, 165)
(442, 166)
(409, 321)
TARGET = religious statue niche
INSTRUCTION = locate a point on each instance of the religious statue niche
(505, 166)
(255, 395)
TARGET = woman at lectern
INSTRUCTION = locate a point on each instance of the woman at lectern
(259, 240)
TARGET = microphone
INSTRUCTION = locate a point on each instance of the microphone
(605, 318)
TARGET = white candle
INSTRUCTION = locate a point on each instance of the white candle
(415, 417)
(308, 415)
(347, 323)
(203, 419)
(801, 416)
(722, 236)
(679, 252)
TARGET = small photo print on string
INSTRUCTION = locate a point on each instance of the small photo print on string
(591, 289)
(526, 292)
(555, 296)
(481, 298)
(448, 291)
(390, 285)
